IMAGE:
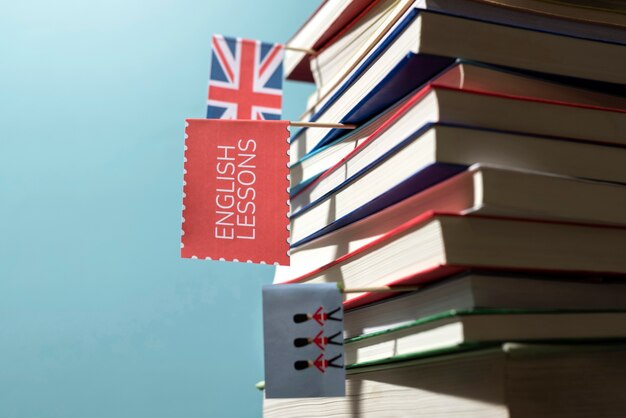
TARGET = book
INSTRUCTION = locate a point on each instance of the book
(329, 19)
(338, 59)
(576, 19)
(341, 56)
(475, 79)
(432, 154)
(509, 380)
(608, 14)
(481, 189)
(495, 291)
(424, 43)
(452, 329)
(434, 245)
(304, 169)
(487, 172)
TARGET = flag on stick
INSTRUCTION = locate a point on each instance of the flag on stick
(235, 191)
(303, 333)
(246, 79)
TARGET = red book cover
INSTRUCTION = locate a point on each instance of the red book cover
(235, 191)
(443, 270)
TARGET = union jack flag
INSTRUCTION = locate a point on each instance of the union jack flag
(246, 79)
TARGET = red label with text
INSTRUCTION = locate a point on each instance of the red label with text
(235, 191)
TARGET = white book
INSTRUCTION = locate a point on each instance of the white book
(510, 380)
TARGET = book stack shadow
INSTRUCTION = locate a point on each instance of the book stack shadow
(489, 170)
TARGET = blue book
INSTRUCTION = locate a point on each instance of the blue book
(438, 151)
(425, 43)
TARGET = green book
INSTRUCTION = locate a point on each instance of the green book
(470, 329)
(495, 290)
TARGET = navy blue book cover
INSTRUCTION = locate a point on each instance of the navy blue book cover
(421, 179)
(416, 70)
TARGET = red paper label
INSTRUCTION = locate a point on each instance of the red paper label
(235, 193)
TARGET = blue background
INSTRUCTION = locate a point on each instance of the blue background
(99, 317)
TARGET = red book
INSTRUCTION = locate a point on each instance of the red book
(436, 245)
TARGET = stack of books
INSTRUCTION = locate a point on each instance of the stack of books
(488, 169)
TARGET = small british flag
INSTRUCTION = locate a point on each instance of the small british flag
(246, 80)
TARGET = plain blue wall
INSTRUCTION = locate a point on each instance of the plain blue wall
(98, 315)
